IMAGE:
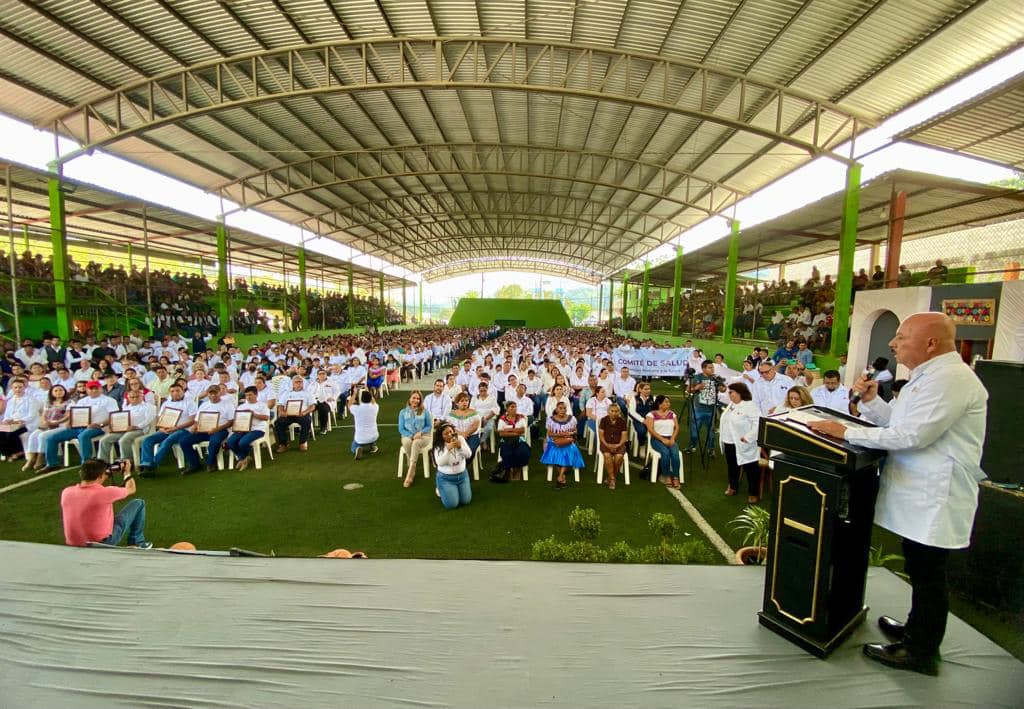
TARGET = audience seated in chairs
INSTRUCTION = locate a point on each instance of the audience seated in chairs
(294, 407)
(513, 449)
(560, 450)
(613, 437)
(663, 429)
(414, 426)
(241, 442)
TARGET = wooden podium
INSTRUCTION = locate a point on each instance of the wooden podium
(820, 538)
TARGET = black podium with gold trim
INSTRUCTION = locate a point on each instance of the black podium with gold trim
(820, 539)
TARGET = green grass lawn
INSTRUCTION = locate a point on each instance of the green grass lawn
(297, 506)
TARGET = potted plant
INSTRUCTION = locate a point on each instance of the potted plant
(754, 523)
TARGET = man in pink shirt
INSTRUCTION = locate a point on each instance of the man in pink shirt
(88, 508)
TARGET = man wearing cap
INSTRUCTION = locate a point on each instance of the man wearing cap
(100, 407)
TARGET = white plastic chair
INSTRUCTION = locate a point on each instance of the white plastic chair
(294, 428)
(551, 472)
(203, 447)
(403, 462)
(624, 470)
(137, 452)
(654, 457)
(257, 458)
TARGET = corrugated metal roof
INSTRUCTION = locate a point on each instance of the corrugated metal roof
(871, 57)
(935, 205)
(990, 126)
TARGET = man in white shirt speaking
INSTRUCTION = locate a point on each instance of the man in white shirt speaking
(928, 491)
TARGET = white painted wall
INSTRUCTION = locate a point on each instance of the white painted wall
(1009, 344)
(870, 304)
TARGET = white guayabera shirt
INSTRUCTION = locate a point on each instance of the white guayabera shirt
(934, 431)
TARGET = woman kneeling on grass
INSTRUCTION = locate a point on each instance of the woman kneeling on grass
(450, 453)
(560, 447)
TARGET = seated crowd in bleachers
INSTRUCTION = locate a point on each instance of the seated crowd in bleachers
(778, 310)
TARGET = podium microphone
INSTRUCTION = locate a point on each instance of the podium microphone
(870, 373)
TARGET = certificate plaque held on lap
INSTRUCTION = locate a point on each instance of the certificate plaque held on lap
(169, 418)
(243, 421)
(81, 416)
(120, 421)
(293, 407)
(208, 420)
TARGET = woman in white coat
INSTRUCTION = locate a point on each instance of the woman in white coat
(738, 438)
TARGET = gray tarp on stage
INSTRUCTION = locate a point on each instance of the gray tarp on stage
(101, 628)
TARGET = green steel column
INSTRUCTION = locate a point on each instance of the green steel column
(645, 293)
(600, 299)
(730, 283)
(351, 299)
(303, 297)
(58, 237)
(223, 308)
(625, 299)
(383, 307)
(677, 290)
(847, 247)
(611, 298)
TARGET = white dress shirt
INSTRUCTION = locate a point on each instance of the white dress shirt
(928, 490)
(623, 387)
(101, 407)
(187, 407)
(141, 415)
(439, 405)
(838, 399)
(770, 394)
(225, 408)
(24, 408)
(259, 407)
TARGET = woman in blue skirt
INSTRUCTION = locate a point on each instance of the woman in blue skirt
(560, 447)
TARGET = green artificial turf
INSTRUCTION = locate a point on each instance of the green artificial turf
(297, 506)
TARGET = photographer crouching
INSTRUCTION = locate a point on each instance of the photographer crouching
(88, 507)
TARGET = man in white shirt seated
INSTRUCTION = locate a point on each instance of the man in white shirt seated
(623, 387)
(326, 397)
(99, 407)
(769, 391)
(485, 404)
(216, 405)
(465, 376)
(295, 406)
(141, 416)
(241, 442)
(173, 420)
(832, 394)
(29, 355)
(438, 403)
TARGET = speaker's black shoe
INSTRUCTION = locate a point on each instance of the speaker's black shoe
(893, 629)
(898, 656)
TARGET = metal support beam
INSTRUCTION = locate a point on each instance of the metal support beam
(421, 303)
(405, 317)
(351, 298)
(58, 238)
(611, 298)
(383, 306)
(11, 260)
(729, 316)
(223, 305)
(894, 245)
(303, 297)
(847, 249)
(625, 299)
(645, 293)
(145, 262)
(677, 290)
(600, 299)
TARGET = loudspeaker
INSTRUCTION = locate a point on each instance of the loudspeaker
(1004, 436)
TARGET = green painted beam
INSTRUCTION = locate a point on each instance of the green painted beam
(729, 315)
(847, 248)
(611, 298)
(383, 306)
(645, 292)
(625, 299)
(303, 296)
(59, 241)
(677, 290)
(223, 302)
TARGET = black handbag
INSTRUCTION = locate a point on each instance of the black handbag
(498, 474)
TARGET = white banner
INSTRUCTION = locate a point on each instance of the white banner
(652, 362)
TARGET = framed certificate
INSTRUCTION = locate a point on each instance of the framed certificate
(169, 418)
(293, 407)
(120, 421)
(81, 416)
(207, 421)
(243, 421)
